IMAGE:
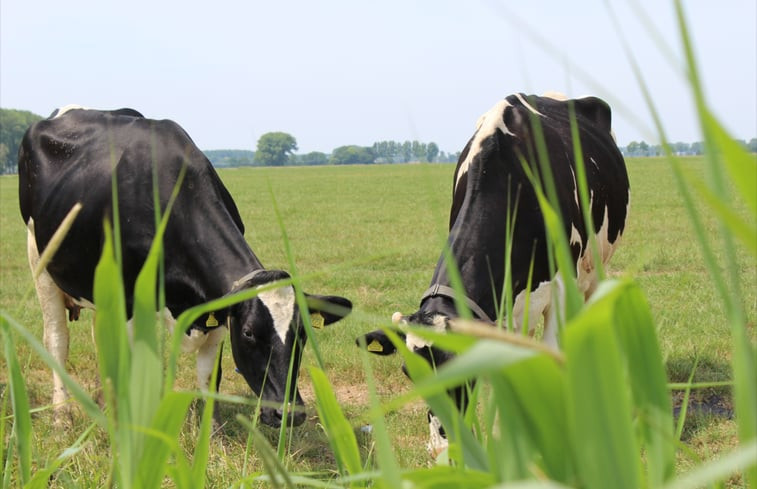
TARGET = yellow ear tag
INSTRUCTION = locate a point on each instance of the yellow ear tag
(317, 321)
(375, 346)
(212, 322)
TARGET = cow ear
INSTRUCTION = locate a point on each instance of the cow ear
(378, 342)
(327, 309)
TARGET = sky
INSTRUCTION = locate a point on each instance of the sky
(334, 73)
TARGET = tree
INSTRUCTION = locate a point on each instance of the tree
(432, 150)
(275, 148)
(230, 157)
(13, 125)
(313, 158)
(752, 145)
(419, 150)
(352, 155)
(406, 151)
(7, 166)
(633, 148)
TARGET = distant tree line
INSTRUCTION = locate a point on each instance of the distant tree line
(13, 125)
(223, 158)
(641, 148)
(279, 149)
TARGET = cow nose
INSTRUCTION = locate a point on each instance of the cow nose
(296, 418)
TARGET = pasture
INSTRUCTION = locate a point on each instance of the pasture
(373, 234)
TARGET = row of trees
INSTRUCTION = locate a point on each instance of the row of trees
(13, 125)
(641, 148)
(279, 149)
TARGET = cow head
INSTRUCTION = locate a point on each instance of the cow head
(378, 343)
(267, 335)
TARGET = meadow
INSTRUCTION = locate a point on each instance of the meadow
(373, 234)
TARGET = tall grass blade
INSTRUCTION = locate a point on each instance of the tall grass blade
(161, 440)
(432, 387)
(3, 440)
(387, 462)
(340, 434)
(446, 477)
(41, 478)
(741, 459)
(279, 476)
(718, 142)
(114, 356)
(599, 409)
(568, 301)
(739, 165)
(685, 402)
(74, 389)
(8, 469)
(202, 448)
(637, 339)
(145, 385)
(531, 396)
(22, 420)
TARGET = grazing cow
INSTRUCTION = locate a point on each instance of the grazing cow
(68, 159)
(490, 182)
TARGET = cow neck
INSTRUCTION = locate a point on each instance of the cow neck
(439, 290)
(476, 243)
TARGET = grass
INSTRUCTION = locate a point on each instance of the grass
(373, 234)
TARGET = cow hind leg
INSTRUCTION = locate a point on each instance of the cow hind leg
(56, 335)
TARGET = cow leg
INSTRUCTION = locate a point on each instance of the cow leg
(56, 336)
(437, 437)
(208, 356)
(554, 313)
(437, 440)
(538, 303)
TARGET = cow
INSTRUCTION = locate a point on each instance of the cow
(70, 157)
(494, 178)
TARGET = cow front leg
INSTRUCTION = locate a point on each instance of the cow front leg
(208, 357)
(55, 327)
(437, 438)
(437, 441)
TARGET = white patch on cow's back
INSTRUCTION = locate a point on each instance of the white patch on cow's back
(555, 95)
(66, 108)
(280, 305)
(414, 342)
(527, 105)
(486, 126)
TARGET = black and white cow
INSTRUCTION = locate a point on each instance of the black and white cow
(490, 180)
(68, 159)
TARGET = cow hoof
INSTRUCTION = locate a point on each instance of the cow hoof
(63, 416)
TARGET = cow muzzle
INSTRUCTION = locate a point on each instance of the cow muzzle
(274, 417)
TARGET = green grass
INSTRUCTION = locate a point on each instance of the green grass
(373, 234)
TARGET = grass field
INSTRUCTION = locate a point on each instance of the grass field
(373, 234)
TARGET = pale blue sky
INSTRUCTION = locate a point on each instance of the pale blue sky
(333, 72)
